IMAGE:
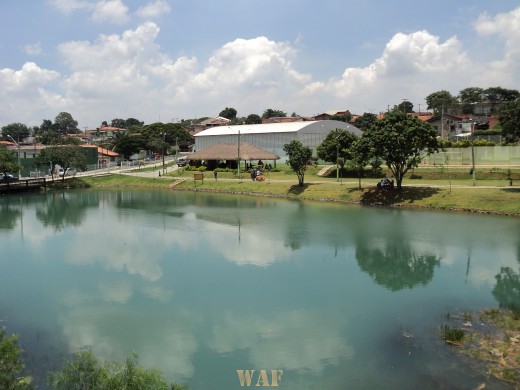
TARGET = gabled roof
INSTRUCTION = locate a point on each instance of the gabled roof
(229, 151)
(214, 121)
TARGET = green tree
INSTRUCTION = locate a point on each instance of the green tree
(401, 141)
(509, 116)
(64, 123)
(365, 121)
(501, 95)
(18, 131)
(471, 95)
(8, 161)
(298, 158)
(51, 137)
(128, 144)
(44, 127)
(86, 371)
(335, 147)
(119, 123)
(133, 122)
(404, 106)
(439, 101)
(11, 365)
(360, 156)
(229, 113)
(253, 119)
(270, 113)
(64, 156)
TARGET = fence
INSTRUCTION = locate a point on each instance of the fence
(484, 155)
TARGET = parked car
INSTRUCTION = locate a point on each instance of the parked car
(67, 172)
(182, 162)
(7, 178)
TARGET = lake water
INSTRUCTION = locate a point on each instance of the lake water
(202, 285)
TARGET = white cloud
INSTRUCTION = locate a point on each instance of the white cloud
(506, 26)
(29, 78)
(69, 6)
(154, 9)
(33, 49)
(408, 67)
(113, 11)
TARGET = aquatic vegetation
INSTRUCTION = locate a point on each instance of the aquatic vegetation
(452, 335)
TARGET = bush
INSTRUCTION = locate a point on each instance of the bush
(11, 366)
(202, 168)
(86, 371)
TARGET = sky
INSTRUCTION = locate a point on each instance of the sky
(167, 60)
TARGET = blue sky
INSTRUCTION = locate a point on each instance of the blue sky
(163, 60)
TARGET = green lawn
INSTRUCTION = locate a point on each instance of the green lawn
(429, 188)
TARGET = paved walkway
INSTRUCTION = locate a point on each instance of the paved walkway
(350, 181)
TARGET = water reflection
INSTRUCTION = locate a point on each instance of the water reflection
(61, 210)
(395, 266)
(10, 213)
(197, 283)
(507, 289)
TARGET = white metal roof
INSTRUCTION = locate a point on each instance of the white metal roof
(287, 127)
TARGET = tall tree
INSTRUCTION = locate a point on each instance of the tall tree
(336, 145)
(8, 161)
(18, 131)
(65, 124)
(299, 156)
(229, 113)
(253, 119)
(439, 101)
(128, 144)
(509, 116)
(270, 113)
(133, 122)
(365, 121)
(404, 106)
(119, 123)
(402, 141)
(499, 95)
(44, 127)
(471, 95)
(360, 156)
(64, 156)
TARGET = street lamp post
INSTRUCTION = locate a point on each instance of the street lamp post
(18, 146)
(238, 154)
(164, 151)
(337, 155)
(473, 152)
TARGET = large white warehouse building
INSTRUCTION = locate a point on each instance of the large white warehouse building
(273, 136)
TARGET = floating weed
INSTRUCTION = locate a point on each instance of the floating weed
(452, 335)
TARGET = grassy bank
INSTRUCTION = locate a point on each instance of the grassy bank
(421, 191)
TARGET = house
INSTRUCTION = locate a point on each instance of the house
(209, 123)
(332, 113)
(105, 158)
(446, 124)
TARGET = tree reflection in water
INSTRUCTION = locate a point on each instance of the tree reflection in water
(396, 266)
(507, 289)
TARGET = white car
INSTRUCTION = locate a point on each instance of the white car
(67, 172)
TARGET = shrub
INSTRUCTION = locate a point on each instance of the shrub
(11, 366)
(86, 371)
